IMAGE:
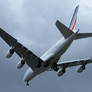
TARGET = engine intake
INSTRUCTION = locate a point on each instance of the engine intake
(10, 53)
(20, 64)
(81, 69)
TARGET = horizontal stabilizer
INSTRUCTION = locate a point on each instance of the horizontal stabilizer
(83, 35)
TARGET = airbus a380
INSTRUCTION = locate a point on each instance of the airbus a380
(49, 60)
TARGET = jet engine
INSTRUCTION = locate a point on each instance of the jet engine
(10, 53)
(20, 64)
(61, 72)
(81, 69)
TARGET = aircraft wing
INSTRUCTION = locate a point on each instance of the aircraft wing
(73, 63)
(20, 50)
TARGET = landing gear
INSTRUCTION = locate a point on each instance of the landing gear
(27, 83)
(46, 64)
(39, 65)
(23, 62)
(63, 70)
(54, 67)
(83, 66)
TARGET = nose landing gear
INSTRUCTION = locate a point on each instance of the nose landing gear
(27, 84)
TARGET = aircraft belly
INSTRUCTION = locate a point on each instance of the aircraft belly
(63, 47)
(58, 54)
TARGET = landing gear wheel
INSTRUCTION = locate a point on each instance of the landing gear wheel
(56, 69)
(27, 83)
(22, 62)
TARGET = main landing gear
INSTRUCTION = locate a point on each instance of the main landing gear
(54, 67)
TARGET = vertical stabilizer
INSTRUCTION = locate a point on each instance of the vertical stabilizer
(74, 19)
(65, 31)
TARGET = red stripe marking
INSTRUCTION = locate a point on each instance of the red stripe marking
(74, 23)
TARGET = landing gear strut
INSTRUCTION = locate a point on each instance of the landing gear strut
(27, 83)
(39, 65)
(54, 66)
(56, 69)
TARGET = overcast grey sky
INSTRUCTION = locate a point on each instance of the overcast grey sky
(32, 22)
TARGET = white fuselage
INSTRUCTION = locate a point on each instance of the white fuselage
(57, 50)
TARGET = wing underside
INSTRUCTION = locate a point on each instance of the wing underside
(21, 50)
(73, 63)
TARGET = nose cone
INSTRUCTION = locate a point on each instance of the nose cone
(27, 75)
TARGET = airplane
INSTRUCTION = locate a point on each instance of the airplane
(49, 60)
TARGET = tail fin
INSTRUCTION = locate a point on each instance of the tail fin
(74, 19)
(66, 32)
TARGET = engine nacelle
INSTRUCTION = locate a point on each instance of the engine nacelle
(10, 53)
(61, 72)
(81, 69)
(20, 64)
